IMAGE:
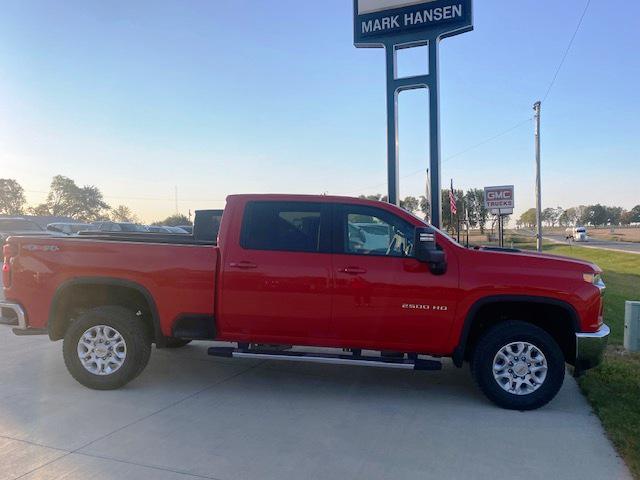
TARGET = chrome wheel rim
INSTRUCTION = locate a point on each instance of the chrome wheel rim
(102, 350)
(520, 368)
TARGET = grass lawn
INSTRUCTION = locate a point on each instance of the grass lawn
(614, 387)
(621, 275)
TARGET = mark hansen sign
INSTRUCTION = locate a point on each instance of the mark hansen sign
(376, 20)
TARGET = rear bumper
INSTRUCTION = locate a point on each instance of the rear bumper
(19, 319)
(590, 348)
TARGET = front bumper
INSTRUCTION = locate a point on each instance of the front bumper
(590, 348)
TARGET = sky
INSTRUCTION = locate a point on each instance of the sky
(214, 97)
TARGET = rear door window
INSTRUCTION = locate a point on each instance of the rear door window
(286, 226)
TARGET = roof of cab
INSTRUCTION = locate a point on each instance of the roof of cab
(300, 198)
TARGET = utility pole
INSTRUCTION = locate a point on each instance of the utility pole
(536, 108)
(176, 198)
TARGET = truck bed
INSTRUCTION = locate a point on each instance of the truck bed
(157, 266)
(176, 239)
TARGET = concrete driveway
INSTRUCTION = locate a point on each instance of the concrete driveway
(189, 415)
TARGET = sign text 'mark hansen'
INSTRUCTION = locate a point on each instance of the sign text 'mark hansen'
(421, 17)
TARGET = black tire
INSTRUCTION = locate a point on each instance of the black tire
(504, 334)
(134, 334)
(176, 343)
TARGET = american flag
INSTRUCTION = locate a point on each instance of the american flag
(452, 201)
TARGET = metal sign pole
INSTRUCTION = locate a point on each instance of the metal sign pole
(394, 87)
(397, 24)
(393, 180)
(434, 134)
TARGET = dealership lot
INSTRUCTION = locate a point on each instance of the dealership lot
(192, 415)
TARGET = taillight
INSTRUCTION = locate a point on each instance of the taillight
(6, 275)
(9, 250)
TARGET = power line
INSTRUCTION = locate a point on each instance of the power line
(462, 152)
(566, 52)
(490, 139)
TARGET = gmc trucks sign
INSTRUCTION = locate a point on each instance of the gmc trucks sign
(499, 200)
(377, 19)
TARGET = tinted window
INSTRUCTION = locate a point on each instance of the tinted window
(287, 226)
(207, 225)
(371, 231)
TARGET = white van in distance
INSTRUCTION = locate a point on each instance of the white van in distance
(577, 234)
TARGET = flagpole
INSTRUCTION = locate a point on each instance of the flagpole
(427, 197)
(458, 220)
(450, 206)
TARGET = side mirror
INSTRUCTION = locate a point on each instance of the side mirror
(426, 250)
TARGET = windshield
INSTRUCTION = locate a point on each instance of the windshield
(18, 225)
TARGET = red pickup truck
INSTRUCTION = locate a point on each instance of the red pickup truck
(367, 279)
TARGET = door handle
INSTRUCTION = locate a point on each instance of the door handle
(353, 270)
(243, 265)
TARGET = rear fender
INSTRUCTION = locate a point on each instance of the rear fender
(59, 296)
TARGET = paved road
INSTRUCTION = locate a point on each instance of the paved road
(193, 416)
(628, 247)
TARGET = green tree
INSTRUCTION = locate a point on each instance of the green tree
(614, 215)
(425, 207)
(40, 210)
(174, 221)
(378, 197)
(66, 199)
(478, 214)
(411, 204)
(635, 214)
(594, 215)
(122, 213)
(12, 199)
(551, 216)
(580, 213)
(528, 218)
(569, 217)
(626, 217)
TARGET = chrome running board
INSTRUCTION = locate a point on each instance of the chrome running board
(411, 363)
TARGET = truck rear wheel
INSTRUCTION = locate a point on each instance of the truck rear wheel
(518, 366)
(106, 347)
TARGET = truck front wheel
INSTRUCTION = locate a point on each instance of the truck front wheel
(106, 347)
(518, 365)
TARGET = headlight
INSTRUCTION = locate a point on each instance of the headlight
(594, 278)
